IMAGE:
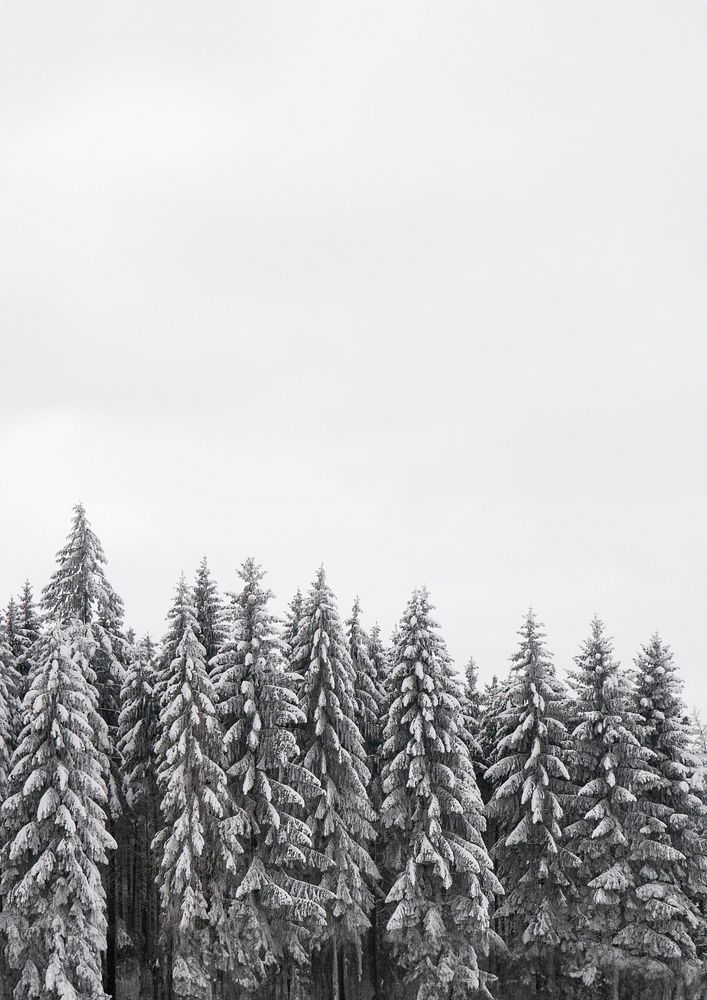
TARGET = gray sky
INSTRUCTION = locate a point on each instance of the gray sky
(416, 290)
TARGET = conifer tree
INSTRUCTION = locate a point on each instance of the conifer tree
(442, 879)
(527, 775)
(79, 591)
(209, 611)
(9, 715)
(368, 695)
(54, 914)
(258, 709)
(667, 850)
(198, 843)
(291, 625)
(607, 762)
(182, 614)
(11, 629)
(342, 819)
(29, 625)
(379, 658)
(137, 736)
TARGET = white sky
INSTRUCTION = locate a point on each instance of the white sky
(417, 290)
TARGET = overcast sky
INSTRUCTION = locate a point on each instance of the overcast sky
(414, 289)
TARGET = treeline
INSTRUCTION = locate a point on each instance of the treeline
(299, 809)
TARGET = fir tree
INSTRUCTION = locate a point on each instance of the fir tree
(79, 591)
(527, 776)
(198, 843)
(342, 818)
(367, 692)
(56, 838)
(442, 878)
(379, 658)
(29, 625)
(209, 612)
(258, 710)
(11, 630)
(182, 614)
(667, 852)
(9, 714)
(607, 762)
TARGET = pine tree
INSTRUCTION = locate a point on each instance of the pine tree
(379, 658)
(667, 851)
(198, 843)
(607, 762)
(527, 775)
(432, 815)
(54, 914)
(137, 735)
(12, 629)
(258, 709)
(79, 591)
(209, 612)
(182, 614)
(342, 820)
(29, 625)
(9, 715)
(366, 690)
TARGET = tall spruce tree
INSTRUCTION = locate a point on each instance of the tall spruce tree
(342, 819)
(209, 611)
(432, 814)
(607, 762)
(198, 843)
(258, 709)
(56, 838)
(528, 776)
(664, 926)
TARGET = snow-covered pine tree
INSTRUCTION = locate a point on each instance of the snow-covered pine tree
(11, 630)
(54, 914)
(28, 624)
(379, 658)
(9, 715)
(607, 761)
(470, 701)
(198, 844)
(432, 816)
(667, 850)
(181, 614)
(342, 819)
(209, 611)
(79, 591)
(137, 736)
(258, 709)
(528, 776)
(368, 695)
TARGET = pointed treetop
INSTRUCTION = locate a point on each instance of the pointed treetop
(79, 588)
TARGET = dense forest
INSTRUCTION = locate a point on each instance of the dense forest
(302, 808)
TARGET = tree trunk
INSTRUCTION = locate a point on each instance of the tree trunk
(111, 937)
(335, 971)
(615, 983)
